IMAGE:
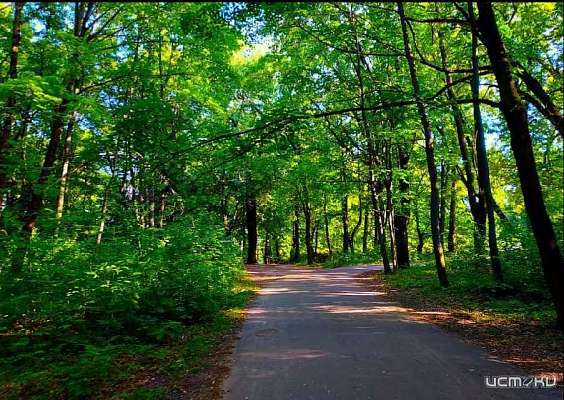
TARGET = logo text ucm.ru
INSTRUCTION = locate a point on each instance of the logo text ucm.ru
(520, 382)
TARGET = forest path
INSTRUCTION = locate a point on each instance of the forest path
(318, 334)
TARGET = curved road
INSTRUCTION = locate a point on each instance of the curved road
(318, 334)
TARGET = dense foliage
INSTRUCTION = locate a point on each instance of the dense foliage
(148, 149)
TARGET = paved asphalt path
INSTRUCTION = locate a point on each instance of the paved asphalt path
(318, 334)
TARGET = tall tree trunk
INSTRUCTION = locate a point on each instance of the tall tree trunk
(430, 155)
(345, 219)
(482, 161)
(516, 116)
(11, 101)
(475, 197)
(251, 219)
(452, 217)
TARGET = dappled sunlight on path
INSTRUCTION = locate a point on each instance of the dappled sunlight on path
(319, 334)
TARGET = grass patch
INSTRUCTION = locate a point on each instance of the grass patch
(473, 290)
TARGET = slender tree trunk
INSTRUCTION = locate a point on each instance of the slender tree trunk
(67, 150)
(277, 252)
(357, 225)
(401, 217)
(452, 217)
(443, 193)
(151, 198)
(482, 161)
(389, 218)
(162, 205)
(267, 254)
(430, 155)
(103, 213)
(11, 101)
(381, 225)
(251, 218)
(345, 218)
(516, 116)
(365, 232)
(308, 234)
(420, 235)
(316, 240)
(327, 236)
(295, 253)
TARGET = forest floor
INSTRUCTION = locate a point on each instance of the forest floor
(535, 344)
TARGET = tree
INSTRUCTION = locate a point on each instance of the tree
(515, 115)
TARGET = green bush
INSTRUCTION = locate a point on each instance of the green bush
(76, 301)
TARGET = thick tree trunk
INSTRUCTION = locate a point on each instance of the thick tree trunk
(11, 101)
(252, 236)
(482, 161)
(516, 116)
(452, 217)
(430, 155)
